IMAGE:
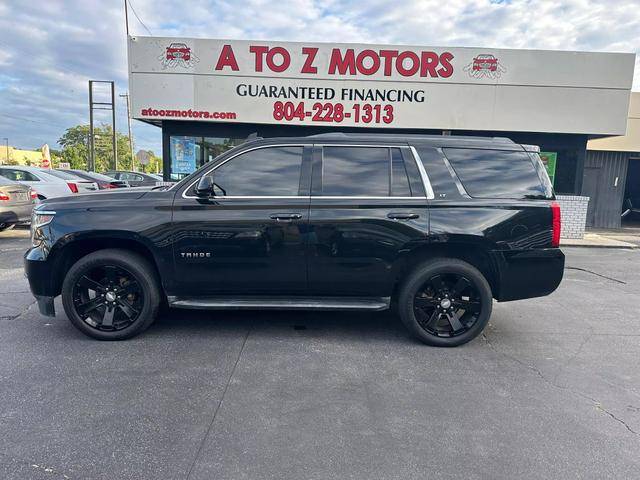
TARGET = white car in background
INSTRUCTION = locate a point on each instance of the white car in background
(44, 183)
(82, 184)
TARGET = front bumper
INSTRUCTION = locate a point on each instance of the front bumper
(528, 273)
(46, 306)
(40, 273)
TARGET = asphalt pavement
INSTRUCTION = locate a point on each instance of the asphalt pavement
(551, 390)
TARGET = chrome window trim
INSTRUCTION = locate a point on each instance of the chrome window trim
(347, 197)
(423, 173)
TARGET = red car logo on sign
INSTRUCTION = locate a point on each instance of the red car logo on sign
(177, 51)
(485, 62)
(178, 54)
(485, 65)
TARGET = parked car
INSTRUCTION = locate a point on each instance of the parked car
(104, 182)
(16, 203)
(134, 179)
(45, 184)
(437, 225)
(81, 185)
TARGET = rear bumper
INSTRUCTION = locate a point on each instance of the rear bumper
(529, 273)
(16, 214)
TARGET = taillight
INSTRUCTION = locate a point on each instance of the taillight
(4, 197)
(34, 195)
(73, 187)
(556, 223)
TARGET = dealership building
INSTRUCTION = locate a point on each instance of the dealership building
(208, 95)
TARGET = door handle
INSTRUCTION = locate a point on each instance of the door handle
(285, 217)
(402, 216)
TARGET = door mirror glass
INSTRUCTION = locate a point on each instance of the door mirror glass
(205, 186)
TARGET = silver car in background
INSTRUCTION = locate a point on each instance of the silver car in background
(16, 203)
(46, 184)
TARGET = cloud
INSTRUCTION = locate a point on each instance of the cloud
(49, 50)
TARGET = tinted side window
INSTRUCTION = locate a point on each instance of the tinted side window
(495, 173)
(355, 171)
(271, 171)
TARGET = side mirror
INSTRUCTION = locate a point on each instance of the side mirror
(205, 186)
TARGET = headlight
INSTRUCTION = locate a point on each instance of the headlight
(40, 218)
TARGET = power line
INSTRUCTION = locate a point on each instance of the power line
(141, 22)
(2, 114)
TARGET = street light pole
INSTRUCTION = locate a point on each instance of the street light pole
(126, 96)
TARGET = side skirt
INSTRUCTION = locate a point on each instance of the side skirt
(281, 303)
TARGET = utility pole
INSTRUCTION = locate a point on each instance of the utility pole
(113, 118)
(6, 142)
(126, 96)
(126, 16)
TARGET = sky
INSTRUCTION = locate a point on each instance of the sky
(50, 49)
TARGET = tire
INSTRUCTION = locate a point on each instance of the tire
(423, 297)
(4, 227)
(124, 277)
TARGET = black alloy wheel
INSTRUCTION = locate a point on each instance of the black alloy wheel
(445, 302)
(111, 294)
(447, 305)
(108, 298)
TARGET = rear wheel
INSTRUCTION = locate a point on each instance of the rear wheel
(111, 294)
(445, 302)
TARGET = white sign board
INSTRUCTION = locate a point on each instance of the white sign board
(358, 85)
(64, 165)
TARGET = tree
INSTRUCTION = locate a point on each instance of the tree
(154, 165)
(75, 148)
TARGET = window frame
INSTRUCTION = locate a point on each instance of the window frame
(304, 171)
(407, 153)
(464, 191)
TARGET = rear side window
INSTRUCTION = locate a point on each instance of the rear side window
(364, 171)
(496, 173)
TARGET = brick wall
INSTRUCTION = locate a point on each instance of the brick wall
(573, 212)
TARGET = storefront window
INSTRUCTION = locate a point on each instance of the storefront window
(190, 153)
(214, 146)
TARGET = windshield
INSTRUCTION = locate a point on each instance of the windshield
(207, 165)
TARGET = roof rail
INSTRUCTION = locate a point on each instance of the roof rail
(329, 135)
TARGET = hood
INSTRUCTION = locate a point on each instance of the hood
(99, 198)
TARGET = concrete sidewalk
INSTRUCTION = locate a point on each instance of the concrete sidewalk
(602, 240)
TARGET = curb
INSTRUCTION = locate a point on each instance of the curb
(621, 247)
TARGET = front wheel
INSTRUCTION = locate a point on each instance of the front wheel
(445, 302)
(111, 294)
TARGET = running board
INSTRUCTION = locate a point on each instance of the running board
(281, 303)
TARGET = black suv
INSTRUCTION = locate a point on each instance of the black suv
(436, 226)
